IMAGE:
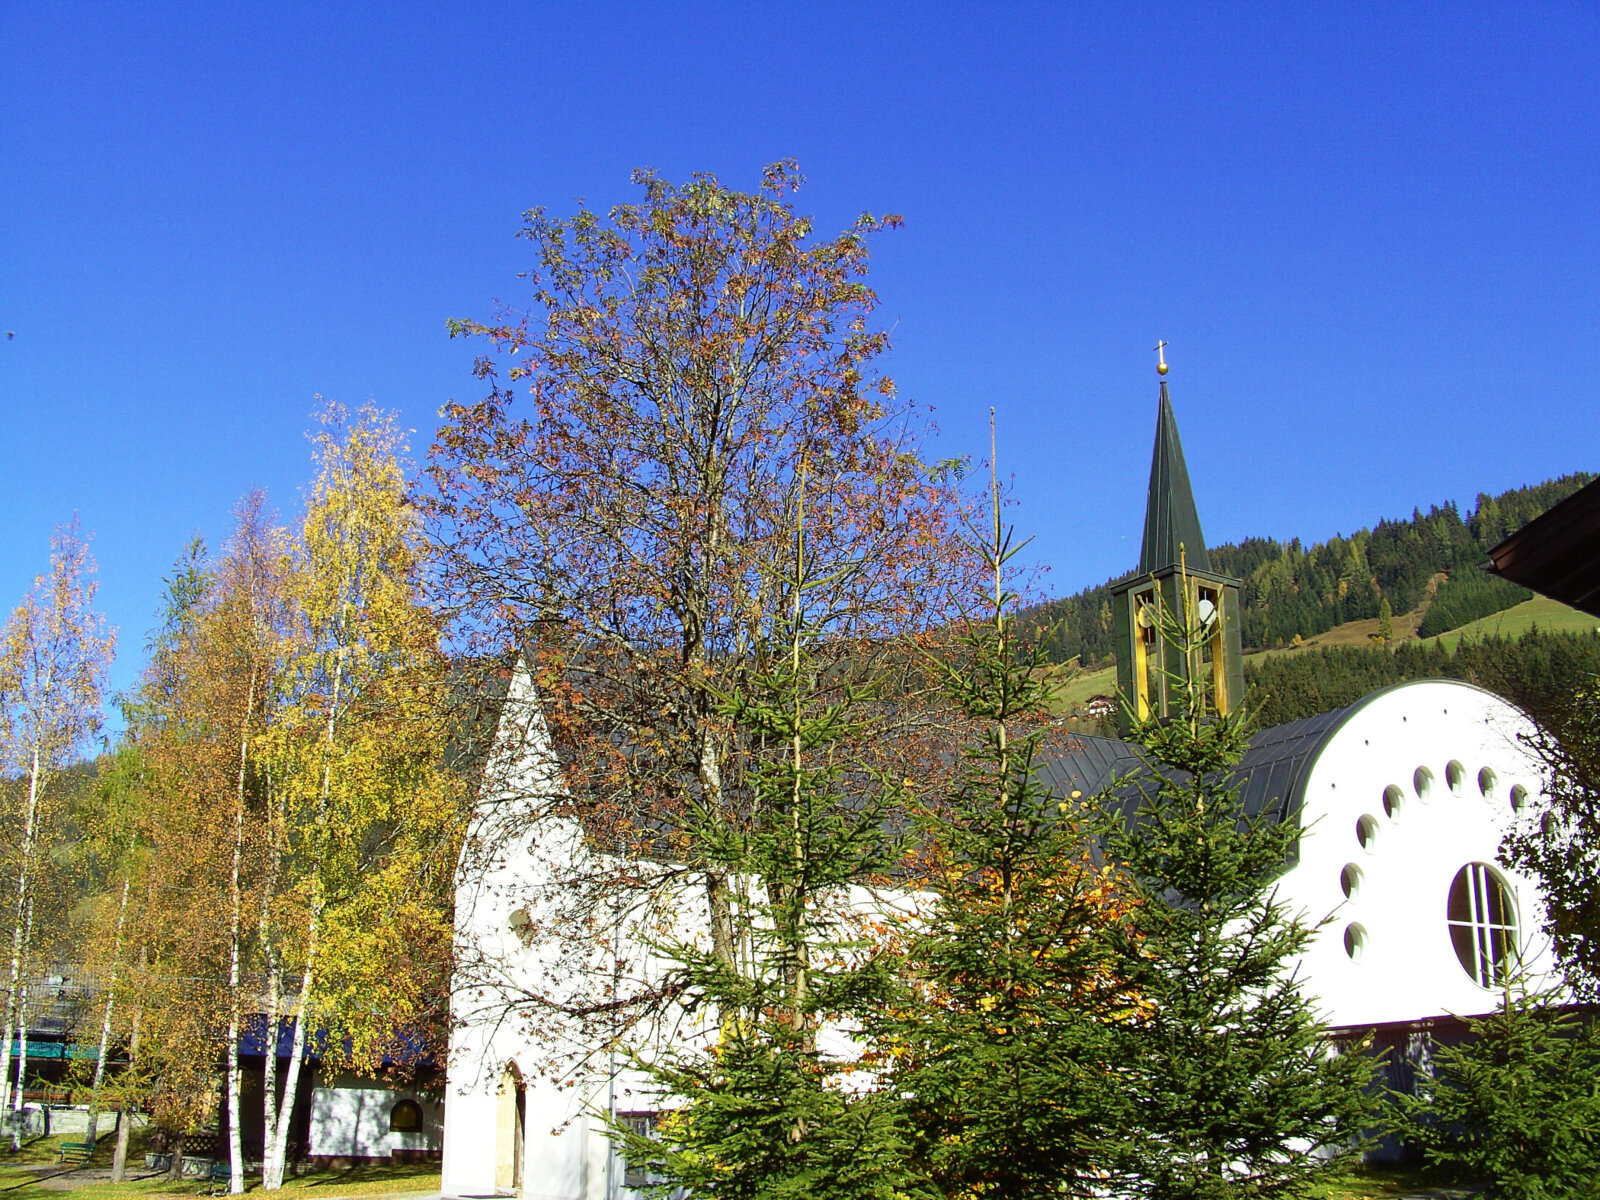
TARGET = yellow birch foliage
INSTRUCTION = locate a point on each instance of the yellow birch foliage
(372, 819)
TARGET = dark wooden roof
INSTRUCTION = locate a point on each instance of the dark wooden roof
(1170, 518)
(1557, 554)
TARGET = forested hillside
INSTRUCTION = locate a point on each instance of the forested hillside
(1289, 590)
(1539, 671)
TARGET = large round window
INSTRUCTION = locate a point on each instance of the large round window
(1482, 915)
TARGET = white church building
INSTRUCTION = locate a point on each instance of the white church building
(1401, 799)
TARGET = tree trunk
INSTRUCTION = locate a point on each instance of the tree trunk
(273, 1169)
(269, 1066)
(22, 1069)
(17, 1107)
(235, 1133)
(269, 950)
(175, 1168)
(119, 1160)
(105, 1024)
(28, 834)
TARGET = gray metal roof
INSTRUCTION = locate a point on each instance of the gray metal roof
(1271, 776)
(1170, 517)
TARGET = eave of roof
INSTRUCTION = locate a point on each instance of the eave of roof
(1557, 554)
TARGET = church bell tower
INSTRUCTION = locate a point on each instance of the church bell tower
(1175, 578)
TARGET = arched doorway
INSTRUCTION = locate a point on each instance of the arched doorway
(511, 1118)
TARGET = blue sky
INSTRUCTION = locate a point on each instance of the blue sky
(1371, 235)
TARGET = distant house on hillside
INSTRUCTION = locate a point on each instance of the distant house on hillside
(1100, 706)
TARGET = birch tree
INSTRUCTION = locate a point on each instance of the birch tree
(112, 845)
(53, 662)
(207, 700)
(356, 756)
(242, 636)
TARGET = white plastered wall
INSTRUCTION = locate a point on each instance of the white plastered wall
(520, 773)
(511, 877)
(350, 1117)
(510, 880)
(1407, 968)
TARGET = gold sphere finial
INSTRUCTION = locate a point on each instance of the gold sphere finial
(1161, 368)
(1161, 358)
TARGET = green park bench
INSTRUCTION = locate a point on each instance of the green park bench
(76, 1152)
(220, 1176)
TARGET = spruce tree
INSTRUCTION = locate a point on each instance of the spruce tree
(775, 1101)
(1517, 1105)
(1229, 1083)
(1000, 1045)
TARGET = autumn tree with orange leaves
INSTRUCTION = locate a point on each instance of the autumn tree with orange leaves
(623, 506)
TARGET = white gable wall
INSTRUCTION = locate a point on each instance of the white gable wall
(511, 877)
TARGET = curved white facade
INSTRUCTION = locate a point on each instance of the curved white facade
(1430, 732)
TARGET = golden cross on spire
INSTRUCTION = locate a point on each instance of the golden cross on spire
(1161, 358)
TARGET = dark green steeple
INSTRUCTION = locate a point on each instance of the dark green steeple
(1174, 582)
(1170, 519)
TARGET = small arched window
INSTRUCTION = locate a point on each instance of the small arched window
(1350, 881)
(1355, 941)
(405, 1117)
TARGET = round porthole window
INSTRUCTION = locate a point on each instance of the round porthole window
(1519, 797)
(1481, 914)
(1367, 832)
(1422, 782)
(1486, 782)
(1393, 801)
(1454, 773)
(1350, 881)
(1355, 941)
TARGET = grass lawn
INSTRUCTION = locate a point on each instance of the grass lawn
(1387, 1183)
(1549, 615)
(33, 1175)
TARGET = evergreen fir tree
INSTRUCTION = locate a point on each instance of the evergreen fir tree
(1230, 1087)
(1001, 1046)
(1517, 1105)
(1385, 621)
(762, 1110)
